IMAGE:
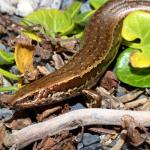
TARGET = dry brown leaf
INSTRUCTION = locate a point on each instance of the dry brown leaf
(24, 57)
(62, 141)
(58, 61)
(109, 81)
(46, 143)
(47, 112)
(2, 135)
(137, 134)
(19, 123)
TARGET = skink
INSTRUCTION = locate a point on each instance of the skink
(98, 49)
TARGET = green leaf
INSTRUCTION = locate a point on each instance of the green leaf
(6, 58)
(83, 18)
(73, 9)
(97, 3)
(137, 26)
(32, 35)
(129, 75)
(8, 74)
(53, 21)
(79, 35)
(9, 88)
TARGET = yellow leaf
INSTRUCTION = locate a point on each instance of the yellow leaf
(32, 35)
(24, 57)
(139, 60)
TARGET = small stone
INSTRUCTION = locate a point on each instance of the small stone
(5, 82)
(142, 96)
(25, 7)
(77, 106)
(6, 113)
(56, 4)
(66, 3)
(80, 146)
(121, 91)
(51, 4)
(16, 19)
(7, 6)
(2, 47)
(93, 147)
(85, 7)
(58, 60)
(89, 139)
(14, 70)
(50, 68)
(12, 2)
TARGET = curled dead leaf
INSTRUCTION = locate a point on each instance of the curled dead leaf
(24, 57)
(137, 134)
(109, 81)
(17, 124)
(2, 135)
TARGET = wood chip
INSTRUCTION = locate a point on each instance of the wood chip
(47, 112)
(130, 96)
(58, 61)
(121, 141)
(136, 103)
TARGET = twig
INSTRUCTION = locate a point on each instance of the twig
(136, 103)
(115, 103)
(70, 120)
(47, 112)
(130, 96)
(121, 141)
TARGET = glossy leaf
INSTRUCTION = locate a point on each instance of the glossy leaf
(97, 3)
(83, 18)
(137, 26)
(52, 20)
(8, 74)
(24, 57)
(74, 9)
(6, 58)
(9, 88)
(32, 35)
(138, 77)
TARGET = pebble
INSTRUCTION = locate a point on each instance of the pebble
(121, 91)
(7, 6)
(6, 83)
(85, 7)
(77, 106)
(89, 139)
(80, 146)
(6, 113)
(14, 70)
(50, 68)
(142, 96)
(92, 147)
(66, 3)
(25, 7)
(2, 47)
(7, 49)
(89, 142)
(50, 4)
(16, 19)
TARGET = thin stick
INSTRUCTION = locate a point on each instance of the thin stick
(68, 121)
(121, 141)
